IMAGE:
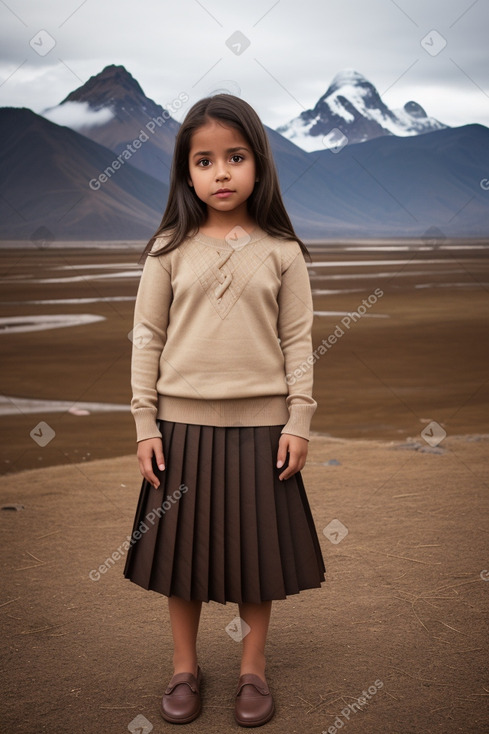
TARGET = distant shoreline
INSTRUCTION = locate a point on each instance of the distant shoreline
(380, 242)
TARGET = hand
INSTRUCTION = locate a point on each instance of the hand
(145, 452)
(297, 448)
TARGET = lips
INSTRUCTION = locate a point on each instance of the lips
(223, 193)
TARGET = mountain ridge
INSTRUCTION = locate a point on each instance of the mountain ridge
(386, 186)
(47, 171)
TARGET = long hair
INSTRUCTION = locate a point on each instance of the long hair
(185, 212)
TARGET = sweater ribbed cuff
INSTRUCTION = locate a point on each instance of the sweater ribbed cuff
(145, 419)
(300, 420)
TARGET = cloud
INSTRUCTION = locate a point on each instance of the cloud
(295, 51)
(77, 115)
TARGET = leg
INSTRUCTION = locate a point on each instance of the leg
(257, 617)
(254, 704)
(184, 617)
(181, 702)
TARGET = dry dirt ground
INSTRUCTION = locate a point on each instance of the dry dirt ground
(394, 642)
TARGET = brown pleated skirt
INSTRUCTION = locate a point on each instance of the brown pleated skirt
(222, 526)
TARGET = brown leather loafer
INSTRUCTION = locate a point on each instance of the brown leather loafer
(254, 702)
(181, 702)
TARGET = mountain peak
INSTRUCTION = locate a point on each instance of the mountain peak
(112, 110)
(415, 110)
(113, 86)
(346, 77)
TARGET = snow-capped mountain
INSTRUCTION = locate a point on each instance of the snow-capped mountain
(352, 111)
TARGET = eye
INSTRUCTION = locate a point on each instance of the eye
(236, 156)
(204, 162)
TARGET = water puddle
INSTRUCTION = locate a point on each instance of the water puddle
(19, 324)
(10, 405)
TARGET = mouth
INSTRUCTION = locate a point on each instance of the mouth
(223, 193)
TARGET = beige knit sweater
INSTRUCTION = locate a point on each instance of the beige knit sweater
(219, 330)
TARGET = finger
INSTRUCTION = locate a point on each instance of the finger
(282, 452)
(147, 472)
(296, 463)
(287, 473)
(160, 459)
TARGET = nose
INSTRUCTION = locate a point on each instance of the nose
(222, 172)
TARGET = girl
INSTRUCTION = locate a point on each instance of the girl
(222, 401)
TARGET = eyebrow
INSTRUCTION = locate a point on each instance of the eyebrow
(229, 150)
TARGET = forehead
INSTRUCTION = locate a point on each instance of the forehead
(215, 135)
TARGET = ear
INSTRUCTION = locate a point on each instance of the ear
(189, 181)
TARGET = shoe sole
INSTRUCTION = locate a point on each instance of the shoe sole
(172, 720)
(257, 722)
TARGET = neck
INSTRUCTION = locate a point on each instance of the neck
(219, 224)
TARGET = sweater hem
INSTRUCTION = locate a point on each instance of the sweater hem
(260, 411)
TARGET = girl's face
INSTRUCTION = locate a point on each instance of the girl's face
(222, 167)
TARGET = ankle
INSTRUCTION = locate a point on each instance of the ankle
(186, 664)
(255, 664)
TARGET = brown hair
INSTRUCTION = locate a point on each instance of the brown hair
(185, 212)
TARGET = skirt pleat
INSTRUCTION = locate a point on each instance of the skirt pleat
(249, 513)
(222, 526)
(202, 530)
(269, 497)
(232, 548)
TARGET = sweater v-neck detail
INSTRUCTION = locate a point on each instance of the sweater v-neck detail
(255, 235)
(225, 278)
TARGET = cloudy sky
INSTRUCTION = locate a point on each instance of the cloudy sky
(279, 55)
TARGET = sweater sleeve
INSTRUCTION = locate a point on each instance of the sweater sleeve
(151, 316)
(294, 330)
